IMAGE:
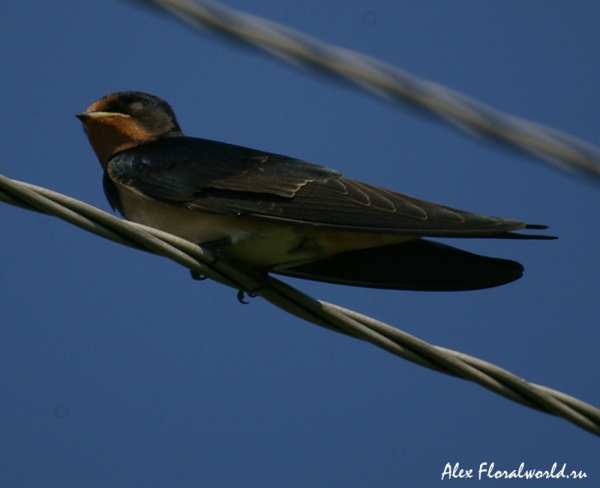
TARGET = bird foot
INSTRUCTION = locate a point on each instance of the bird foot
(241, 294)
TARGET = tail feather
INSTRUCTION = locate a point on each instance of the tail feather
(415, 265)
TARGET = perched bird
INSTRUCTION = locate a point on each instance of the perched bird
(282, 214)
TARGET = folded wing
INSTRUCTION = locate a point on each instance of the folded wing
(225, 179)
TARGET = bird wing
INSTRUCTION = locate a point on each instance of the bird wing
(225, 179)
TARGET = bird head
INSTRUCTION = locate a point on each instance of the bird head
(124, 120)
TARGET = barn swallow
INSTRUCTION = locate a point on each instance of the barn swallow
(281, 214)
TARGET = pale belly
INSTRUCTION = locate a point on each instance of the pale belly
(253, 242)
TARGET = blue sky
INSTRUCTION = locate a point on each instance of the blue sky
(119, 370)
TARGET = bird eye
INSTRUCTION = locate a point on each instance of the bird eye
(136, 106)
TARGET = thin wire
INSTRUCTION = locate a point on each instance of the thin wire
(383, 80)
(286, 297)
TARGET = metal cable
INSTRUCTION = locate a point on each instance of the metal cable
(383, 80)
(297, 303)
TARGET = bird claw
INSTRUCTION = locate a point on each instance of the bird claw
(198, 276)
(241, 294)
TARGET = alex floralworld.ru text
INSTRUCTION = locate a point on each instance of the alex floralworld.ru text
(488, 470)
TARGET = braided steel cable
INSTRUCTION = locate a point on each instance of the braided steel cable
(390, 83)
(286, 297)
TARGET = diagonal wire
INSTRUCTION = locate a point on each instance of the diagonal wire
(284, 296)
(562, 150)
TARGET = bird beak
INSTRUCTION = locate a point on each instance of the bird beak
(87, 116)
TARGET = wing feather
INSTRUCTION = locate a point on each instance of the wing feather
(225, 179)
